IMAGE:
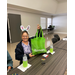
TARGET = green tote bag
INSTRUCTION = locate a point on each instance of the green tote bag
(38, 44)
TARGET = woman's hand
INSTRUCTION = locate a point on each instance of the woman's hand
(9, 68)
(38, 27)
(31, 55)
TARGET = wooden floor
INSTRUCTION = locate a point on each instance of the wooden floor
(11, 48)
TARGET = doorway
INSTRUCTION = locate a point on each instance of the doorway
(14, 23)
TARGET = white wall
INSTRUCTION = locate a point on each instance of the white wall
(62, 7)
(49, 6)
(60, 23)
(29, 19)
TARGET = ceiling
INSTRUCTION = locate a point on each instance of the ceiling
(61, 0)
(23, 9)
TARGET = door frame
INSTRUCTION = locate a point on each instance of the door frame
(9, 29)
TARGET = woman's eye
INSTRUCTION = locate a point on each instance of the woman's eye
(24, 36)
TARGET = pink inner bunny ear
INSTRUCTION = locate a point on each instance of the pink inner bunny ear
(28, 27)
(22, 28)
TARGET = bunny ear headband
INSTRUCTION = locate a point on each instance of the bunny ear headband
(25, 29)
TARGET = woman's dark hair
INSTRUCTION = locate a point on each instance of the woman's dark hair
(24, 32)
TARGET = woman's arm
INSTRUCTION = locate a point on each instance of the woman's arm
(9, 61)
(19, 54)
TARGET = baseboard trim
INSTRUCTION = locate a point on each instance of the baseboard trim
(61, 32)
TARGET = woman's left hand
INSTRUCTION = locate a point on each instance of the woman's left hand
(31, 55)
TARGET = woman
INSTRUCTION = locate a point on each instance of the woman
(9, 62)
(24, 47)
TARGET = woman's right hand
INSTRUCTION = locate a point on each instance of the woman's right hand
(30, 55)
(38, 27)
(9, 68)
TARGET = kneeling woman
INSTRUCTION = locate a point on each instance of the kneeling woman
(23, 48)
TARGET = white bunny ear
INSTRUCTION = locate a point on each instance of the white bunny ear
(22, 28)
(28, 27)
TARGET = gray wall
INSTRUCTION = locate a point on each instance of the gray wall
(60, 23)
(29, 19)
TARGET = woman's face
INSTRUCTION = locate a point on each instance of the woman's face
(25, 37)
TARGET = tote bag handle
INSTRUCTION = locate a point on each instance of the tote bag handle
(39, 33)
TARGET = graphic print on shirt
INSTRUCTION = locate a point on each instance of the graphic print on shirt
(27, 48)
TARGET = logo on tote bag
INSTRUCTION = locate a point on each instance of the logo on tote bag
(38, 50)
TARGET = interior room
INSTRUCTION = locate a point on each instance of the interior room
(33, 12)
